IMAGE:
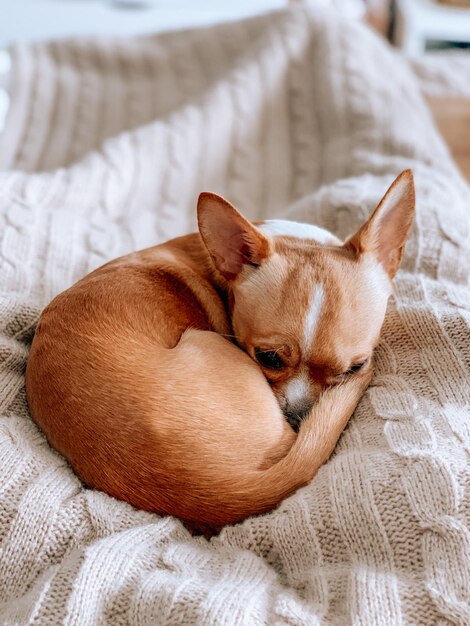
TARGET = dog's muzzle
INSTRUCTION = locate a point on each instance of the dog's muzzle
(294, 415)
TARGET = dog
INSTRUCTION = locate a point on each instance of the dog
(175, 378)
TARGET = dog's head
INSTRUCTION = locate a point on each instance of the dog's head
(304, 305)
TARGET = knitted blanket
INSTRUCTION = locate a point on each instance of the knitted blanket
(295, 114)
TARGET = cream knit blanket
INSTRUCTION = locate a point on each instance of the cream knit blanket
(296, 114)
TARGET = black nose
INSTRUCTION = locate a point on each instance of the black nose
(294, 415)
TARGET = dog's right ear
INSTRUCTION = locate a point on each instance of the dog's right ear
(231, 240)
(387, 230)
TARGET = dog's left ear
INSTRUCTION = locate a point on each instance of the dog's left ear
(387, 230)
(232, 241)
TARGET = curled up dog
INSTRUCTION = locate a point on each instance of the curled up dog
(175, 378)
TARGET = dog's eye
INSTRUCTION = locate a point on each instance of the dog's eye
(269, 359)
(355, 368)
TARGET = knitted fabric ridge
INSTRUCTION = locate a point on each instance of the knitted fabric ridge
(295, 114)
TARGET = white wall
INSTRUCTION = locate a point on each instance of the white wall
(45, 19)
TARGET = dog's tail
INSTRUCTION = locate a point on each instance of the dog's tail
(261, 491)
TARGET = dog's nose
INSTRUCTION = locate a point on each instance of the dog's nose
(295, 414)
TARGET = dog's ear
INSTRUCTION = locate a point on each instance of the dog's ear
(387, 230)
(231, 240)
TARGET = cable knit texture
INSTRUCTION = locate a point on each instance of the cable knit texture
(295, 114)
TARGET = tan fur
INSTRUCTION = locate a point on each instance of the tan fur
(133, 376)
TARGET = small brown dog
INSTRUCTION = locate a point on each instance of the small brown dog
(133, 379)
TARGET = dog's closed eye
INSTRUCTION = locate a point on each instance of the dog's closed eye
(354, 368)
(269, 359)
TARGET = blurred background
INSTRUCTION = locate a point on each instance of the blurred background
(434, 34)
